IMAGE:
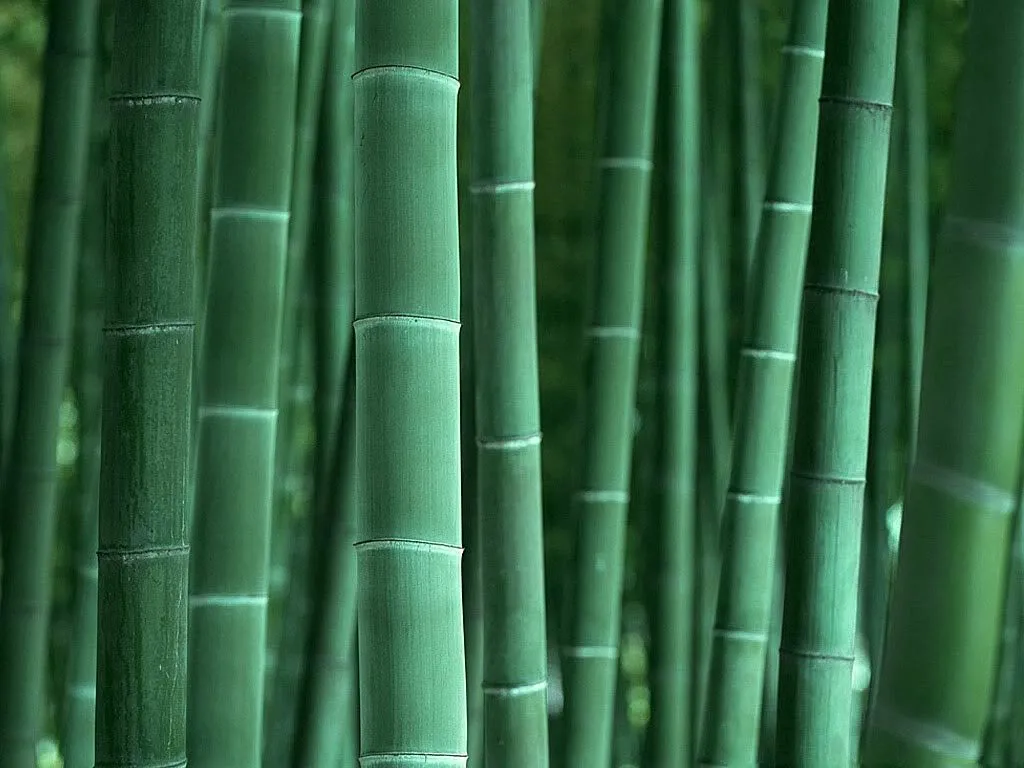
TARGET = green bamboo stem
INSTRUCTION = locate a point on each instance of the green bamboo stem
(672, 676)
(78, 727)
(303, 516)
(591, 654)
(239, 374)
(146, 446)
(330, 662)
(7, 325)
(939, 664)
(316, 16)
(913, 90)
(837, 346)
(333, 240)
(748, 162)
(412, 673)
(507, 397)
(749, 526)
(30, 488)
(330, 677)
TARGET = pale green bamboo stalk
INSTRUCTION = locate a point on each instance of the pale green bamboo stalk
(507, 397)
(749, 527)
(146, 447)
(239, 374)
(673, 676)
(823, 526)
(412, 673)
(30, 488)
(939, 662)
(590, 656)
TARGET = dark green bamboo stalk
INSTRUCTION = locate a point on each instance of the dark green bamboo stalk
(749, 526)
(837, 341)
(78, 729)
(939, 662)
(748, 162)
(146, 445)
(7, 326)
(30, 488)
(591, 655)
(507, 398)
(672, 677)
(239, 376)
(913, 90)
(412, 674)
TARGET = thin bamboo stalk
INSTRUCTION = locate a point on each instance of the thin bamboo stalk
(330, 661)
(412, 672)
(30, 488)
(823, 526)
(590, 656)
(146, 446)
(939, 662)
(239, 375)
(78, 727)
(507, 397)
(672, 676)
(764, 385)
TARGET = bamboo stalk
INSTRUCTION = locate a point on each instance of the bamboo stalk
(837, 346)
(78, 727)
(151, 235)
(942, 639)
(330, 667)
(412, 672)
(30, 488)
(507, 401)
(239, 375)
(591, 654)
(673, 675)
(749, 526)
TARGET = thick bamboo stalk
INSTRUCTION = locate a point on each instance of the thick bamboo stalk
(412, 674)
(30, 488)
(823, 526)
(146, 447)
(764, 385)
(78, 726)
(239, 375)
(672, 675)
(939, 662)
(591, 653)
(507, 399)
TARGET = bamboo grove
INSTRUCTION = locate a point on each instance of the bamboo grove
(511, 383)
